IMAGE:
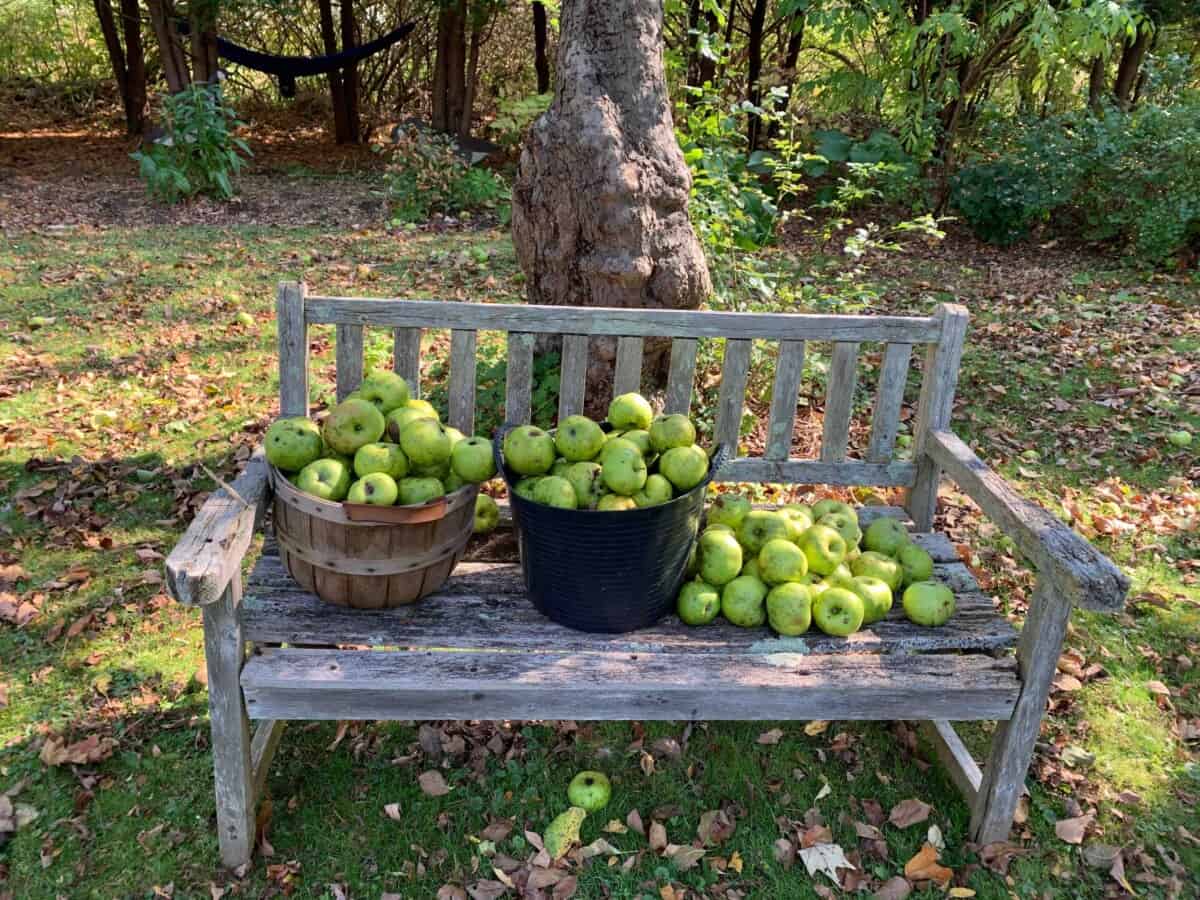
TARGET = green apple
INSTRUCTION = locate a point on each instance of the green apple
(293, 443)
(399, 419)
(585, 479)
(440, 471)
(823, 547)
(885, 535)
(798, 519)
(750, 567)
(675, 430)
(916, 563)
(555, 491)
(728, 509)
(824, 507)
(614, 444)
(452, 481)
(589, 791)
(385, 389)
(656, 490)
(720, 557)
(843, 524)
(780, 561)
(455, 436)
(380, 457)
(685, 467)
(487, 514)
(471, 459)
(328, 452)
(630, 411)
(789, 608)
(528, 450)
(841, 576)
(426, 444)
(719, 526)
(759, 526)
(877, 565)
(351, 424)
(876, 597)
(1181, 438)
(698, 603)
(615, 503)
(622, 468)
(424, 406)
(742, 601)
(526, 486)
(328, 479)
(578, 438)
(612, 435)
(639, 438)
(375, 488)
(838, 611)
(419, 490)
(928, 603)
(560, 467)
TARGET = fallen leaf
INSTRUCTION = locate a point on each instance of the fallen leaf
(92, 749)
(615, 826)
(909, 812)
(684, 856)
(997, 855)
(565, 889)
(392, 811)
(433, 784)
(924, 867)
(770, 737)
(895, 888)
(963, 892)
(658, 836)
(785, 853)
(827, 858)
(449, 892)
(812, 729)
(715, 827)
(647, 763)
(1100, 856)
(1118, 873)
(1072, 830)
(487, 889)
(598, 847)
(497, 830)
(935, 838)
(824, 792)
(735, 862)
(870, 832)
(634, 821)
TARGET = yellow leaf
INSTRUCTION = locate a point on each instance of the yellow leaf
(735, 862)
(812, 729)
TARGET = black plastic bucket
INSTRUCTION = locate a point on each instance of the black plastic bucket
(601, 570)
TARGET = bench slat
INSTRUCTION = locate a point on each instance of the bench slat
(349, 354)
(293, 350)
(893, 374)
(839, 401)
(462, 381)
(355, 684)
(735, 371)
(789, 366)
(628, 374)
(518, 387)
(406, 357)
(618, 322)
(572, 386)
(681, 376)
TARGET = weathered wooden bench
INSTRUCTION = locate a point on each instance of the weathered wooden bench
(963, 671)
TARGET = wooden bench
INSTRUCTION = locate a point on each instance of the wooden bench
(966, 670)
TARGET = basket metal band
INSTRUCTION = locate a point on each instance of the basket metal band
(372, 567)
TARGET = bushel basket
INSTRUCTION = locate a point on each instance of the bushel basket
(370, 557)
(600, 570)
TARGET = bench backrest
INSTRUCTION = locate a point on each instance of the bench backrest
(941, 334)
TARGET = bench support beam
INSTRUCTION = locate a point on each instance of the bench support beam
(954, 756)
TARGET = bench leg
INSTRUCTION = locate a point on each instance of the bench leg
(223, 654)
(1038, 650)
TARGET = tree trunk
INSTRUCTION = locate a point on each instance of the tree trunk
(204, 42)
(1127, 71)
(1096, 78)
(541, 62)
(754, 49)
(449, 80)
(350, 75)
(702, 69)
(600, 201)
(337, 89)
(134, 94)
(116, 57)
(464, 128)
(791, 56)
(170, 50)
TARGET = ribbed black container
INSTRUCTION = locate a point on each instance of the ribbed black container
(605, 571)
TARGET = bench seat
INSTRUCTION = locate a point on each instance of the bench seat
(477, 649)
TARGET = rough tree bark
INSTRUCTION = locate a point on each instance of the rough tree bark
(1130, 65)
(541, 63)
(449, 77)
(350, 74)
(600, 201)
(128, 60)
(170, 50)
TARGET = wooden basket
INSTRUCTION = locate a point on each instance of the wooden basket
(370, 557)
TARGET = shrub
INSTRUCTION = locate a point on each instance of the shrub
(199, 153)
(425, 176)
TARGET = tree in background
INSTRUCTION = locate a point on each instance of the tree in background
(128, 59)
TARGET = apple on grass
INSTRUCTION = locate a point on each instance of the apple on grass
(585, 479)
(555, 491)
(471, 459)
(879, 566)
(838, 611)
(487, 514)
(885, 535)
(742, 601)
(291, 444)
(419, 490)
(675, 430)
(578, 438)
(780, 561)
(685, 467)
(916, 563)
(876, 597)
(759, 526)
(623, 469)
(698, 603)
(385, 389)
(376, 488)
(630, 410)
(728, 509)
(720, 557)
(928, 603)
(380, 457)
(656, 490)
(789, 608)
(351, 424)
(824, 548)
(589, 791)
(328, 479)
(529, 450)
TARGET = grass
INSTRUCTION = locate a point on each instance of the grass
(132, 356)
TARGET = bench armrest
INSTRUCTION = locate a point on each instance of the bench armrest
(1077, 570)
(210, 552)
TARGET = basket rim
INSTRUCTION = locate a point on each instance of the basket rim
(335, 511)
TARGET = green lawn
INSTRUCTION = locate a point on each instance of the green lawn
(136, 362)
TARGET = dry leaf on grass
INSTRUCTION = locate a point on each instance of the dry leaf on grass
(924, 867)
(598, 847)
(449, 892)
(770, 737)
(827, 858)
(433, 784)
(1072, 830)
(92, 749)
(658, 836)
(392, 811)
(715, 827)
(497, 830)
(812, 729)
(895, 888)
(487, 889)
(634, 821)
(684, 856)
(909, 812)
(785, 853)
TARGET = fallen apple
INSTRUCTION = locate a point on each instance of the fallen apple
(742, 601)
(928, 603)
(685, 467)
(656, 490)
(399, 419)
(720, 557)
(426, 443)
(781, 561)
(380, 457)
(585, 479)
(885, 535)
(675, 430)
(555, 491)
(728, 509)
(419, 490)
(487, 514)
(824, 507)
(759, 526)
(615, 503)
(845, 524)
(385, 389)
(916, 563)
(876, 597)
(838, 611)
(590, 791)
(622, 468)
(877, 565)
(789, 608)
(698, 603)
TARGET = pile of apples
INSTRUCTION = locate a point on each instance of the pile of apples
(383, 447)
(797, 565)
(644, 460)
